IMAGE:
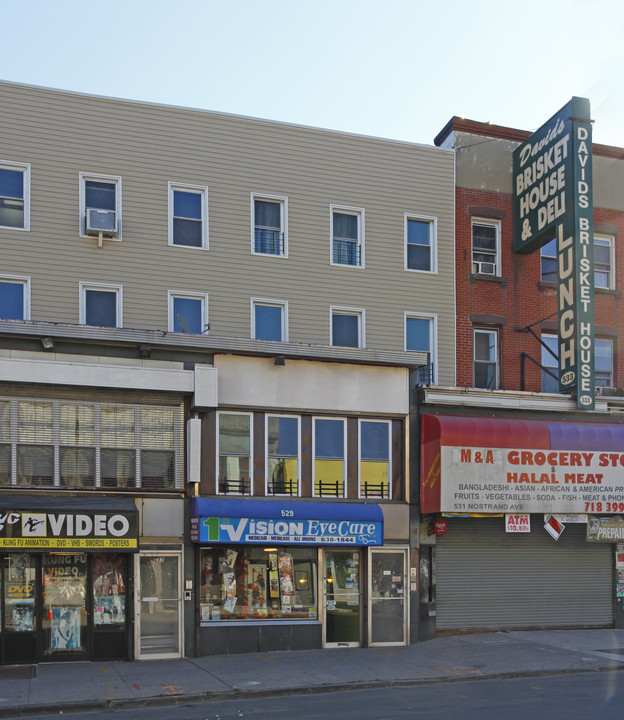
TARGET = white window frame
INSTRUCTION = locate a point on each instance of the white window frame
(496, 363)
(433, 338)
(611, 240)
(545, 355)
(360, 313)
(283, 203)
(202, 297)
(433, 236)
(550, 258)
(194, 189)
(360, 213)
(344, 454)
(389, 424)
(611, 380)
(255, 301)
(113, 180)
(251, 450)
(266, 453)
(24, 168)
(104, 287)
(24, 281)
(490, 223)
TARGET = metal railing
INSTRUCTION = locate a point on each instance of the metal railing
(241, 486)
(268, 242)
(346, 252)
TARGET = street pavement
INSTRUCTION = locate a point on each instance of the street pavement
(70, 687)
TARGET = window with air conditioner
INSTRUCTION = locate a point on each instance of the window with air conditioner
(485, 247)
(100, 206)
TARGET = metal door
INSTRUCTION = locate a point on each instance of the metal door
(158, 605)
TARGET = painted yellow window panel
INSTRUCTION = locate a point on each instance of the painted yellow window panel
(329, 478)
(374, 479)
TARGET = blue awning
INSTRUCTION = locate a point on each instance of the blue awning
(285, 522)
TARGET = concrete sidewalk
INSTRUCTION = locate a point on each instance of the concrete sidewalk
(80, 686)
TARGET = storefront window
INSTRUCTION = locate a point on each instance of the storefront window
(19, 593)
(109, 590)
(242, 582)
(64, 603)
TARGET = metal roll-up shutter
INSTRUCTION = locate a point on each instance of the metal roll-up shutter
(487, 579)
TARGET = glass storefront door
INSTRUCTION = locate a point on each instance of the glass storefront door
(388, 602)
(19, 594)
(159, 605)
(64, 621)
(341, 599)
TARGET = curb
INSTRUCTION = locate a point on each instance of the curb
(197, 698)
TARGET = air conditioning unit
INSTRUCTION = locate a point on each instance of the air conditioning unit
(603, 391)
(486, 268)
(101, 221)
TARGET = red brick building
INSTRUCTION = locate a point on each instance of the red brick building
(501, 293)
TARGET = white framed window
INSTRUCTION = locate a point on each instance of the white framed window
(269, 320)
(188, 215)
(100, 205)
(269, 225)
(421, 234)
(375, 458)
(548, 260)
(604, 261)
(421, 333)
(235, 453)
(486, 370)
(549, 361)
(329, 468)
(101, 305)
(347, 327)
(14, 297)
(347, 236)
(486, 246)
(14, 195)
(283, 454)
(188, 312)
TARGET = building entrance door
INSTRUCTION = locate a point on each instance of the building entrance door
(159, 605)
(388, 602)
(342, 599)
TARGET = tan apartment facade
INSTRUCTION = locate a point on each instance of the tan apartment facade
(208, 317)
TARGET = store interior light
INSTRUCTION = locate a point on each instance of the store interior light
(270, 549)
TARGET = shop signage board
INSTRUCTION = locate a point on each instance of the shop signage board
(288, 523)
(605, 529)
(517, 523)
(552, 194)
(38, 530)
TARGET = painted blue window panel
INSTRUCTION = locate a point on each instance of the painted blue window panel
(11, 301)
(374, 441)
(329, 438)
(268, 322)
(283, 436)
(101, 308)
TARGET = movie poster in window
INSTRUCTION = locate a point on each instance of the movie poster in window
(65, 633)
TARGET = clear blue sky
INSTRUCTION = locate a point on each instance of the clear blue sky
(391, 68)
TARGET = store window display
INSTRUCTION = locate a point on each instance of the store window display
(243, 582)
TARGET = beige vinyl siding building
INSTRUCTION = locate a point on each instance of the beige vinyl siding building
(149, 147)
(211, 327)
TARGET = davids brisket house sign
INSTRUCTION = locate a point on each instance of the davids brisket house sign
(552, 192)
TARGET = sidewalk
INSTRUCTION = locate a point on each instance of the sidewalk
(89, 685)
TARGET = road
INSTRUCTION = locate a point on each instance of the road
(582, 696)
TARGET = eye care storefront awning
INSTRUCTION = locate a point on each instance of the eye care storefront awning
(502, 465)
(285, 522)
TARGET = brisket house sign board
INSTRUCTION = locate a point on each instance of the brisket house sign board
(495, 465)
(64, 530)
(552, 192)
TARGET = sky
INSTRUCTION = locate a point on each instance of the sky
(396, 69)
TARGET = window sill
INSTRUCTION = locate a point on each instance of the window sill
(502, 281)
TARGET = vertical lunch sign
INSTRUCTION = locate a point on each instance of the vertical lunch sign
(553, 199)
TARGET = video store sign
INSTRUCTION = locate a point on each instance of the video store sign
(57, 530)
